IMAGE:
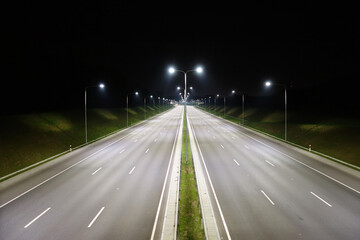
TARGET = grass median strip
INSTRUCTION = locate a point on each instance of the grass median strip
(189, 205)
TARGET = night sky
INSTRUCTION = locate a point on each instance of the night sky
(54, 50)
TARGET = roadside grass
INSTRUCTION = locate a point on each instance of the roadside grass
(29, 138)
(189, 204)
(332, 135)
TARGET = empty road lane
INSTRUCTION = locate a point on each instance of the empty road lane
(109, 189)
(270, 190)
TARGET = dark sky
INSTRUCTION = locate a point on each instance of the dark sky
(53, 49)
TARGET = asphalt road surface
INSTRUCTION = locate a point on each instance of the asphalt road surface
(269, 190)
(110, 189)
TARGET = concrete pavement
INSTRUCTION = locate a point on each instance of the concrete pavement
(269, 190)
(110, 189)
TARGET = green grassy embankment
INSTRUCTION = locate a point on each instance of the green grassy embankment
(29, 138)
(189, 213)
(335, 136)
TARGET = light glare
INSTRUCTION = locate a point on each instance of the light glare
(171, 70)
(199, 70)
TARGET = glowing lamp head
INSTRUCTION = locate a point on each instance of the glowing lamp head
(101, 85)
(199, 69)
(171, 70)
(267, 83)
(136, 93)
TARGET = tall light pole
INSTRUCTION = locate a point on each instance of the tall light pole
(127, 107)
(232, 92)
(101, 85)
(144, 107)
(173, 70)
(243, 108)
(268, 84)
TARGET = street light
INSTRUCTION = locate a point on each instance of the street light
(232, 92)
(101, 85)
(127, 107)
(173, 70)
(268, 84)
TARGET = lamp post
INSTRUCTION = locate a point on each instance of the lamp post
(173, 70)
(127, 107)
(268, 84)
(232, 92)
(243, 108)
(101, 85)
(144, 107)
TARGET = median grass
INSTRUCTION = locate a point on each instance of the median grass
(189, 212)
(336, 136)
(29, 138)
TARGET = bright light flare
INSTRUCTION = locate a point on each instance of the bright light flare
(101, 85)
(267, 83)
(171, 70)
(199, 69)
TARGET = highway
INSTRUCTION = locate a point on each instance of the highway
(110, 189)
(269, 190)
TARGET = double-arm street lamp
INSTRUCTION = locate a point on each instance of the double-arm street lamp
(101, 85)
(268, 84)
(173, 70)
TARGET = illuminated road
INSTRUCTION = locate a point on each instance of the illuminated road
(268, 190)
(110, 189)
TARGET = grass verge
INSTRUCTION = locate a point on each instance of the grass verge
(332, 135)
(26, 139)
(189, 212)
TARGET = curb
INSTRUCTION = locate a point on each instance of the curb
(208, 216)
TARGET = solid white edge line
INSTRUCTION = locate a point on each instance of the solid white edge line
(97, 215)
(304, 164)
(321, 199)
(325, 175)
(132, 170)
(267, 197)
(122, 151)
(38, 185)
(211, 185)
(37, 217)
(96, 171)
(164, 185)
